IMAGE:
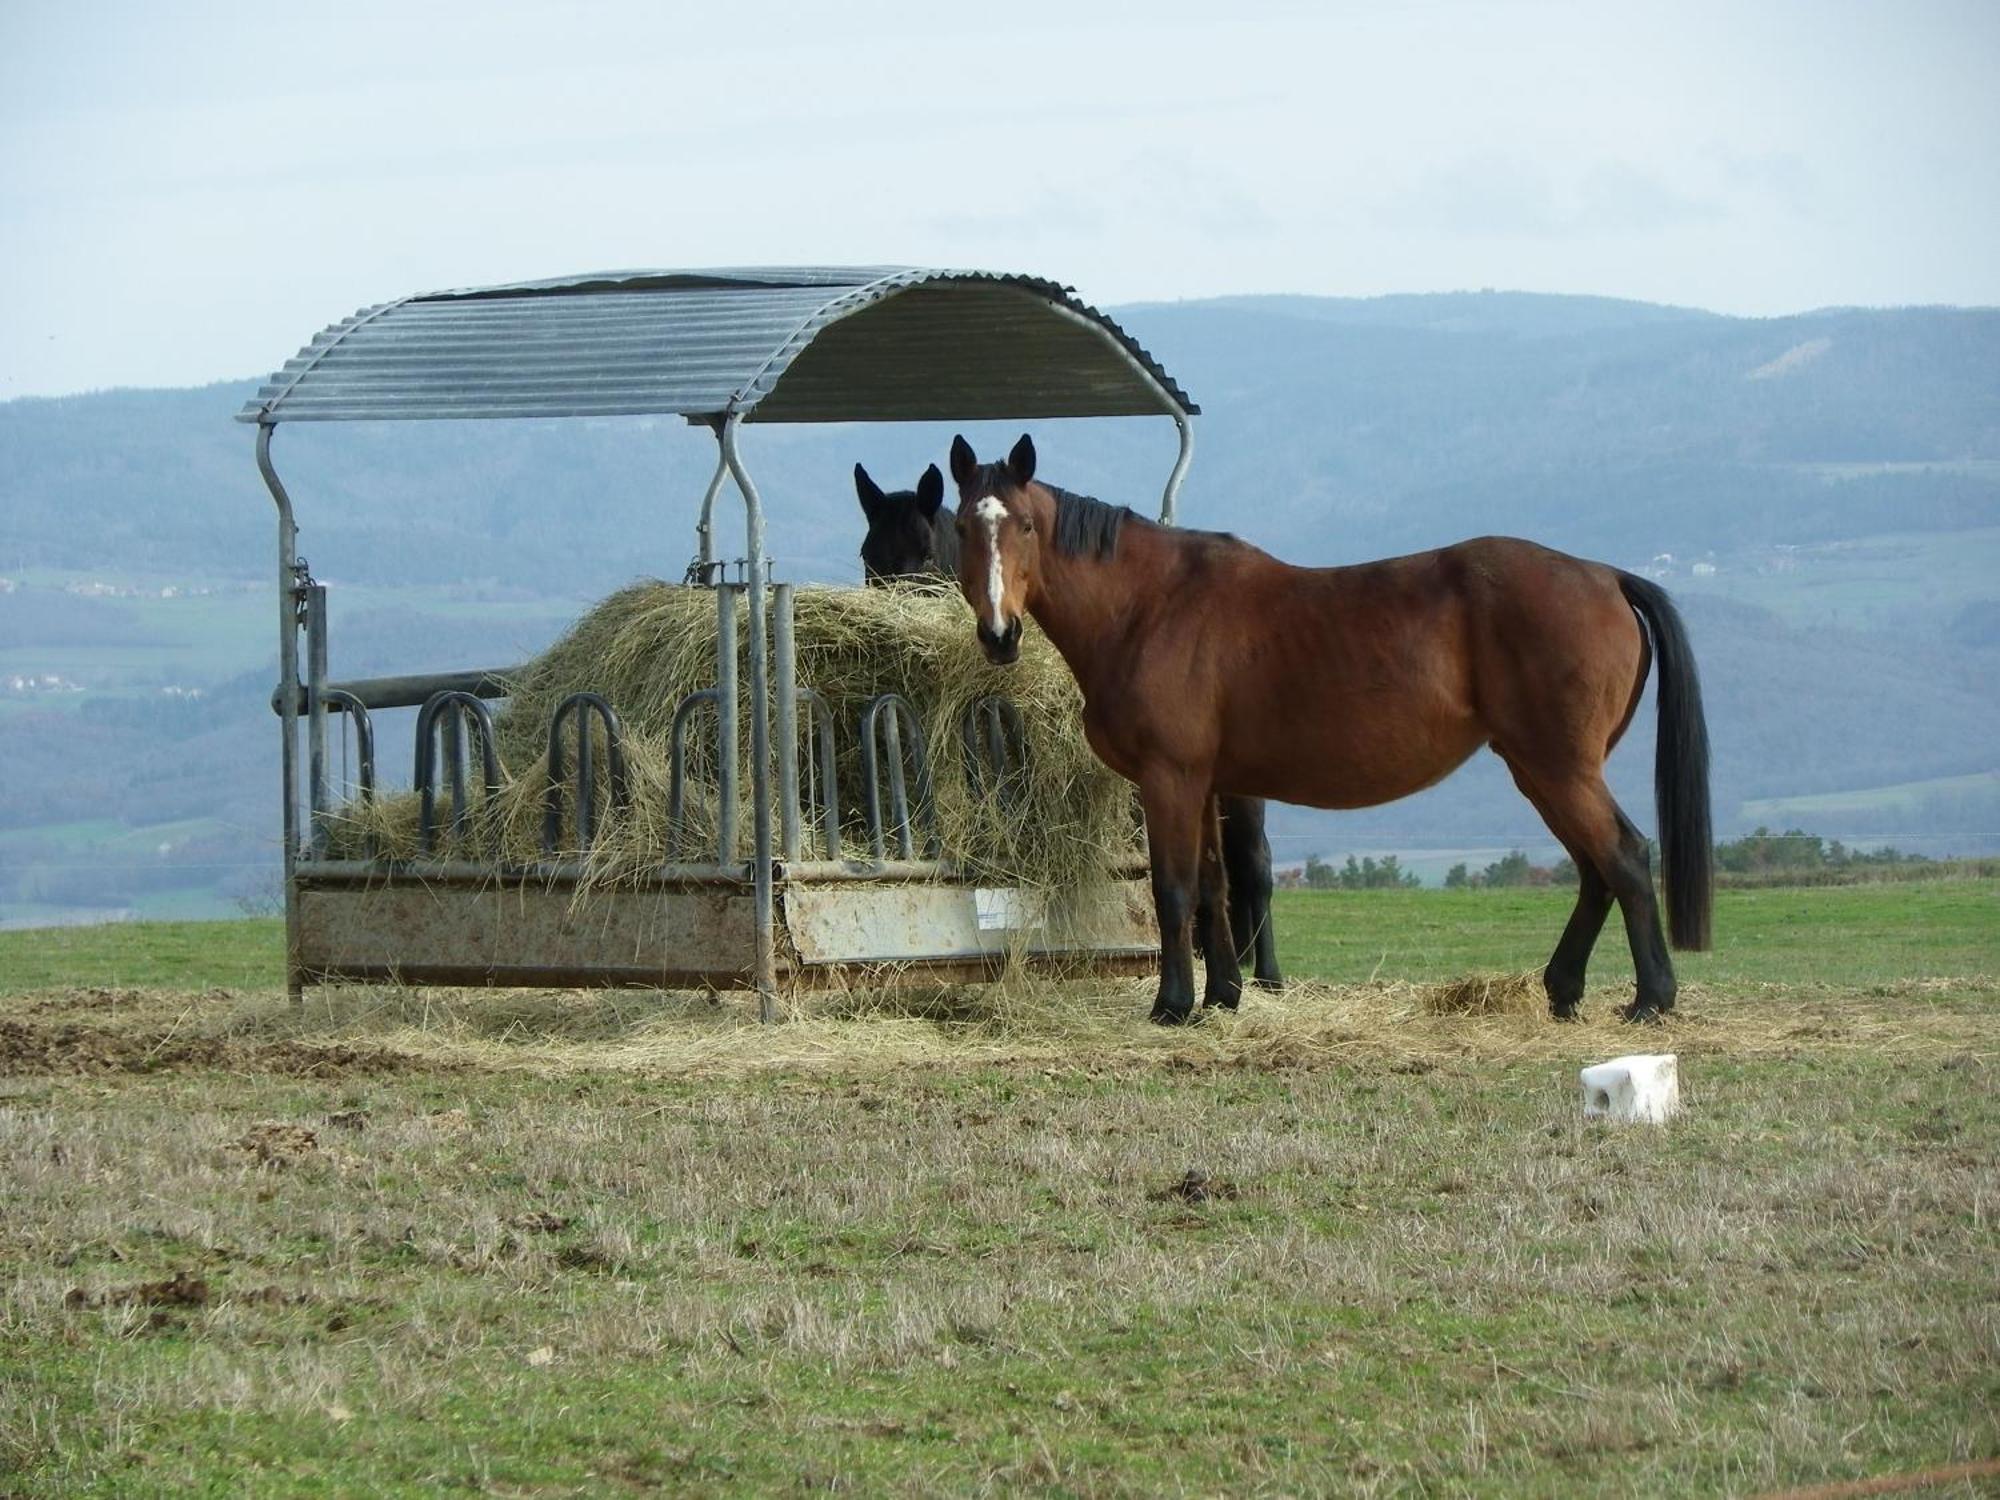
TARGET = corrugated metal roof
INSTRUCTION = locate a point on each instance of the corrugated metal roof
(775, 343)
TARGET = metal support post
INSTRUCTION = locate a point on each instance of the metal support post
(288, 706)
(727, 757)
(704, 530)
(765, 972)
(1185, 426)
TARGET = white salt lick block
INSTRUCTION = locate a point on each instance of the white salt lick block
(1645, 1086)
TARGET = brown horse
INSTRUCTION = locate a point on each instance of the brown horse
(1208, 666)
(910, 537)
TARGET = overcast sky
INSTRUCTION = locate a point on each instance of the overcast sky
(188, 192)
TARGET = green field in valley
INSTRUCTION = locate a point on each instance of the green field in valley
(1010, 1239)
(1902, 797)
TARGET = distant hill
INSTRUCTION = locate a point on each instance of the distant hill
(1823, 492)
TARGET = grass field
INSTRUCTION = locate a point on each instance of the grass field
(1009, 1241)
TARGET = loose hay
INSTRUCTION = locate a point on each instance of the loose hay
(648, 646)
(1091, 1026)
(1488, 995)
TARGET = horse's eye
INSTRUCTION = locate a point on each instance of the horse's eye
(1028, 525)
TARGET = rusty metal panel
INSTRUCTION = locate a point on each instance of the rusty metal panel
(860, 922)
(526, 935)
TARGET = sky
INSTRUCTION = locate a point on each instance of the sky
(188, 192)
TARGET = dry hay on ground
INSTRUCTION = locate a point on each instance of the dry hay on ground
(648, 646)
(1021, 1023)
(1488, 995)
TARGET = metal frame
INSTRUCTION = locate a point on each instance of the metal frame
(582, 707)
(448, 700)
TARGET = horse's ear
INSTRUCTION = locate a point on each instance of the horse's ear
(930, 492)
(963, 462)
(869, 491)
(1021, 462)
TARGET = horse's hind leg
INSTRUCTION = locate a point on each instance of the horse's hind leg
(1176, 805)
(1246, 855)
(1581, 812)
(1225, 973)
(1563, 978)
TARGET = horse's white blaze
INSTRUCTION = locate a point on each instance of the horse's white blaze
(991, 512)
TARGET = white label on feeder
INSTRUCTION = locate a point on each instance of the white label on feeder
(999, 910)
(1645, 1086)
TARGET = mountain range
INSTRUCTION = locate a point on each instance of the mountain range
(1820, 492)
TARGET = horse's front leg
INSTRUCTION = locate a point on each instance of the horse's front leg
(1218, 944)
(1176, 804)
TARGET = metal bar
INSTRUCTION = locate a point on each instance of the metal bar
(829, 778)
(552, 791)
(586, 782)
(453, 725)
(686, 872)
(899, 789)
(996, 747)
(364, 735)
(319, 784)
(456, 710)
(364, 749)
(1185, 425)
(871, 791)
(786, 665)
(920, 758)
(889, 871)
(762, 906)
(726, 754)
(584, 706)
(412, 691)
(288, 689)
(677, 757)
(892, 870)
(471, 872)
(704, 530)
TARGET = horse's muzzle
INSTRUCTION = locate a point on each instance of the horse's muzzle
(1003, 649)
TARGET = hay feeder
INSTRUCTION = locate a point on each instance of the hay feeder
(790, 886)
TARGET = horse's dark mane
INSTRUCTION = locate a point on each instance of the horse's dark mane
(1087, 527)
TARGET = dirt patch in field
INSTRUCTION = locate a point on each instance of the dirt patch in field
(276, 1143)
(71, 1048)
(1196, 1186)
(182, 1289)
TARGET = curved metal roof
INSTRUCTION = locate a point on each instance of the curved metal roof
(774, 344)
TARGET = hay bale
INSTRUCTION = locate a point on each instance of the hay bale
(649, 645)
(1487, 995)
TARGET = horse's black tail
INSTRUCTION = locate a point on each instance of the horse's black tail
(1680, 769)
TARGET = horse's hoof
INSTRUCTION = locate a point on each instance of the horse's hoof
(1646, 1013)
(1223, 996)
(1566, 1013)
(1272, 982)
(1166, 1015)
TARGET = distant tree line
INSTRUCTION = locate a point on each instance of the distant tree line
(1512, 869)
(1367, 874)
(1758, 858)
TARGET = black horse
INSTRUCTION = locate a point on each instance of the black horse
(911, 536)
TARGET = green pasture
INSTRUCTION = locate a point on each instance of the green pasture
(1845, 934)
(1010, 1240)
